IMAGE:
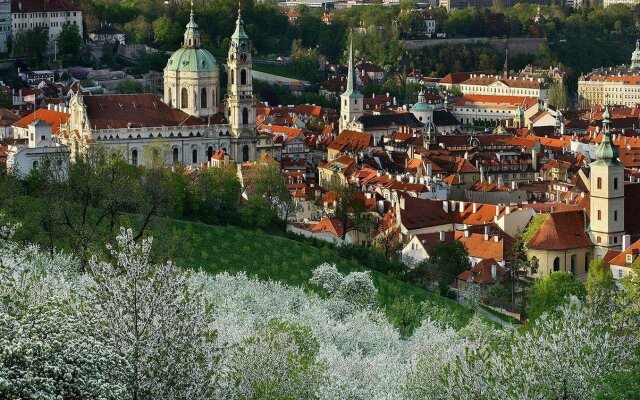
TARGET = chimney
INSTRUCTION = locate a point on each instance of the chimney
(507, 209)
(442, 236)
(496, 238)
(497, 209)
(445, 206)
(499, 181)
(490, 180)
(494, 272)
(466, 233)
(401, 202)
(486, 233)
(461, 206)
(626, 242)
(475, 207)
(514, 185)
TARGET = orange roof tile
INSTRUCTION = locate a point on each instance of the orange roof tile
(55, 118)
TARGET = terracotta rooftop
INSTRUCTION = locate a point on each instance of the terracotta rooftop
(135, 111)
(55, 118)
(561, 231)
(29, 6)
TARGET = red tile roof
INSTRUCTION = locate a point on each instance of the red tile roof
(134, 110)
(420, 213)
(55, 118)
(512, 101)
(561, 231)
(481, 273)
(29, 6)
(352, 141)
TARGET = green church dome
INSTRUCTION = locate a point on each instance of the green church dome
(192, 60)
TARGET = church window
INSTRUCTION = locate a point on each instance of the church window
(203, 98)
(194, 156)
(599, 183)
(184, 98)
(175, 155)
(615, 183)
(556, 264)
(170, 98)
(599, 215)
(209, 152)
(245, 116)
(231, 74)
(134, 157)
(615, 215)
(243, 77)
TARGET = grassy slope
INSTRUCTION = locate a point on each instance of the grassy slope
(216, 249)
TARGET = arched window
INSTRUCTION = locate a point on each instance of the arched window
(194, 157)
(231, 75)
(203, 98)
(134, 157)
(534, 265)
(175, 155)
(209, 152)
(243, 77)
(556, 264)
(170, 98)
(214, 103)
(184, 98)
(245, 153)
(245, 116)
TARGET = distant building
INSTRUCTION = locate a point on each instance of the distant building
(619, 85)
(49, 14)
(630, 3)
(5, 24)
(107, 33)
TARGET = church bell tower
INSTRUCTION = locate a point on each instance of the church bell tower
(241, 109)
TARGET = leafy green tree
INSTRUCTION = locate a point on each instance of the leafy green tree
(447, 261)
(552, 291)
(129, 86)
(600, 282)
(558, 96)
(351, 210)
(69, 39)
(215, 196)
(5, 101)
(265, 181)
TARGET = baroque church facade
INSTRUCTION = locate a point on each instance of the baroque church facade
(189, 125)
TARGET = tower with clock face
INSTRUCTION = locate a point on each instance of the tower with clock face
(241, 110)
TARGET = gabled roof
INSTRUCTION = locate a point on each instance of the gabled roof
(422, 213)
(54, 118)
(481, 272)
(330, 225)
(385, 120)
(561, 231)
(352, 141)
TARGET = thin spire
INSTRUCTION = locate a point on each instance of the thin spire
(191, 10)
(505, 68)
(350, 72)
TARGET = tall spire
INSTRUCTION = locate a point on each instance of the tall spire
(607, 151)
(350, 73)
(505, 68)
(239, 33)
(191, 34)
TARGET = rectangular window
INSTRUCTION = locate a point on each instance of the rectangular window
(619, 273)
(615, 215)
(615, 183)
(599, 183)
(599, 215)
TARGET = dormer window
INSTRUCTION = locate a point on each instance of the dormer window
(629, 259)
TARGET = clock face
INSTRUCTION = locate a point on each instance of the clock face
(243, 57)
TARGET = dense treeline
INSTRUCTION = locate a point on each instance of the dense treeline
(80, 207)
(578, 39)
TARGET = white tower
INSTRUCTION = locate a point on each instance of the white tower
(607, 194)
(635, 56)
(241, 110)
(351, 100)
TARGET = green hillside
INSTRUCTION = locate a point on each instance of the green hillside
(215, 249)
